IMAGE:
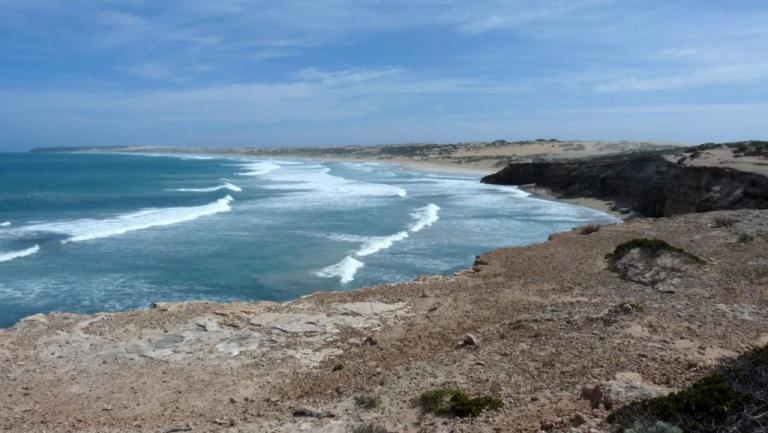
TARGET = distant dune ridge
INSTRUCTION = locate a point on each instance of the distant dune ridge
(478, 155)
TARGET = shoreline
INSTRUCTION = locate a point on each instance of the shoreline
(604, 206)
(445, 167)
(548, 327)
(424, 167)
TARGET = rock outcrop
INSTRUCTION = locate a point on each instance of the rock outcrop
(625, 387)
(647, 184)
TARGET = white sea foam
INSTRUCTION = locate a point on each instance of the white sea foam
(88, 229)
(319, 184)
(374, 244)
(5, 257)
(259, 168)
(425, 217)
(345, 270)
(227, 185)
(5, 224)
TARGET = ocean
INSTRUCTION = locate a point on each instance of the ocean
(104, 232)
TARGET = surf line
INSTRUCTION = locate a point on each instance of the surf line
(346, 269)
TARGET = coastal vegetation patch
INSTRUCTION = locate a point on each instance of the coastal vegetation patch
(724, 221)
(732, 399)
(650, 247)
(455, 402)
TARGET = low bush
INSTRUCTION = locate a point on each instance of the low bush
(588, 230)
(745, 238)
(455, 402)
(733, 399)
(724, 221)
(367, 401)
(649, 246)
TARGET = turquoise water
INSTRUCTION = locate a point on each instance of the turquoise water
(95, 232)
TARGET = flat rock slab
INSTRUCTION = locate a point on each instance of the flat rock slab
(370, 308)
(307, 323)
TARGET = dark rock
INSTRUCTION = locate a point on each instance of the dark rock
(312, 413)
(648, 184)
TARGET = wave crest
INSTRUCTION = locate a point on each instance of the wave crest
(227, 185)
(6, 257)
(425, 217)
(345, 270)
(89, 229)
(259, 168)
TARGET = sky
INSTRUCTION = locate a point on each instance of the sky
(220, 73)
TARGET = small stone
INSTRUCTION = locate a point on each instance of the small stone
(469, 340)
(232, 400)
(578, 419)
(370, 341)
(763, 340)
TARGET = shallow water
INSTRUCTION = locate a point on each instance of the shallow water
(95, 232)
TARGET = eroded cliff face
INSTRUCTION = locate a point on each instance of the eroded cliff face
(649, 185)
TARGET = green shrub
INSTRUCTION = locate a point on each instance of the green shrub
(367, 401)
(724, 221)
(629, 307)
(745, 238)
(455, 402)
(649, 246)
(733, 399)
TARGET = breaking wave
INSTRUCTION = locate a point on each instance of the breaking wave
(318, 184)
(5, 224)
(89, 229)
(425, 217)
(345, 270)
(6, 257)
(229, 186)
(259, 168)
(374, 244)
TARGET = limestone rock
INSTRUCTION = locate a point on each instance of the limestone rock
(625, 387)
(370, 308)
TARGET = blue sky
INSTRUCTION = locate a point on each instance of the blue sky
(323, 72)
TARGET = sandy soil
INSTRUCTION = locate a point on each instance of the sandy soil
(724, 157)
(547, 320)
(588, 202)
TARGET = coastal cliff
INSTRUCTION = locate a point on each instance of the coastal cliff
(650, 185)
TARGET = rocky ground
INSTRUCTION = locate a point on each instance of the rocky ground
(558, 332)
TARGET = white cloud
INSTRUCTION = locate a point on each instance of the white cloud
(718, 75)
(313, 96)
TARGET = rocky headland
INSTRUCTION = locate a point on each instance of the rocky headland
(656, 184)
